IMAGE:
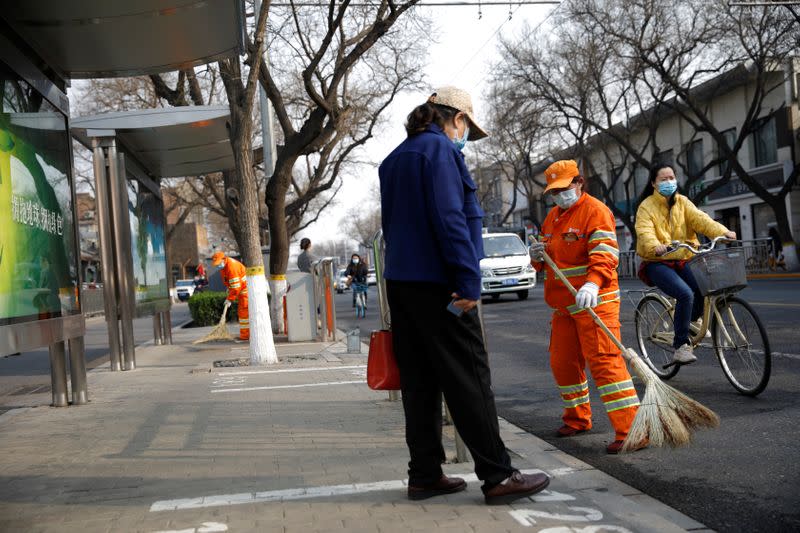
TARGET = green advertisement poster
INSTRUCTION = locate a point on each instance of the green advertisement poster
(146, 214)
(38, 262)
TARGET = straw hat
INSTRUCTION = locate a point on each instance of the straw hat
(561, 173)
(459, 99)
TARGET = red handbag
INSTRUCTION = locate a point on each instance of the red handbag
(382, 371)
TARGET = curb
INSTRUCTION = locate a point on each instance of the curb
(787, 275)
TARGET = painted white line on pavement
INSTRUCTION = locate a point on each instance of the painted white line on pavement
(787, 355)
(286, 370)
(221, 500)
(773, 304)
(271, 387)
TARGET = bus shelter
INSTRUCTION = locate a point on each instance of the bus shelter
(44, 44)
(132, 152)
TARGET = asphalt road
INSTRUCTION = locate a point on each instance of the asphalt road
(743, 476)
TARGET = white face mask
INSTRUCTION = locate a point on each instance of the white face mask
(566, 199)
(355, 260)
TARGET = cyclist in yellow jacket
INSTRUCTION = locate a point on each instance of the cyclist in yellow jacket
(663, 217)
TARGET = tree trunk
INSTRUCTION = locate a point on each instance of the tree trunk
(278, 243)
(243, 201)
(785, 233)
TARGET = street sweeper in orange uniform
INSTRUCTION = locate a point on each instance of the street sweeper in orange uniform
(234, 276)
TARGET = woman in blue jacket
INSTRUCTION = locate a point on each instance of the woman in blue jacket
(432, 227)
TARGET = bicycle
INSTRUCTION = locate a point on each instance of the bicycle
(360, 292)
(737, 335)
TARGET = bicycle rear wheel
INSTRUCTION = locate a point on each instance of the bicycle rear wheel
(654, 332)
(742, 346)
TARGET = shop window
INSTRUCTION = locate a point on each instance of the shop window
(730, 140)
(765, 143)
(694, 159)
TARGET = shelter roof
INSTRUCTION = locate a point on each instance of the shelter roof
(167, 142)
(113, 38)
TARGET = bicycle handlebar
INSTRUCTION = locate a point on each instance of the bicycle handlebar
(703, 248)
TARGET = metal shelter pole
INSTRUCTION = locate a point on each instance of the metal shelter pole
(167, 327)
(122, 252)
(157, 333)
(106, 250)
(58, 374)
(77, 371)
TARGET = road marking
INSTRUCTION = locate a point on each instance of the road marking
(773, 304)
(272, 387)
(220, 500)
(205, 527)
(288, 370)
(527, 517)
(787, 355)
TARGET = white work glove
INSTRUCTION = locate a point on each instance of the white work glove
(227, 305)
(536, 252)
(587, 295)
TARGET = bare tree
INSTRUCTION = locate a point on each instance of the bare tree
(626, 65)
(331, 75)
(696, 50)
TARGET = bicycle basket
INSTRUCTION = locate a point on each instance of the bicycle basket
(719, 271)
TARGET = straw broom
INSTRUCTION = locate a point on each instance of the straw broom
(665, 416)
(220, 331)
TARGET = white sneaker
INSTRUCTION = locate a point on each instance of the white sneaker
(684, 355)
(696, 326)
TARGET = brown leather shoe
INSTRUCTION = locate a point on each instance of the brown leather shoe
(567, 431)
(616, 447)
(445, 485)
(517, 486)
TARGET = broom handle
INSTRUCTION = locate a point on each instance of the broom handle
(574, 292)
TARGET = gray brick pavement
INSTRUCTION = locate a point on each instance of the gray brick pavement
(172, 447)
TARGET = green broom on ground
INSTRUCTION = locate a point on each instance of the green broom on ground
(665, 416)
(220, 331)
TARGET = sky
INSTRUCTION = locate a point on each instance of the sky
(466, 47)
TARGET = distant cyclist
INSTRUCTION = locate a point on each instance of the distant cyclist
(663, 217)
(356, 274)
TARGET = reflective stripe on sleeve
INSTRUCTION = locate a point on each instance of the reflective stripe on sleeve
(605, 249)
(600, 235)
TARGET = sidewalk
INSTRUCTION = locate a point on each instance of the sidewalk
(178, 445)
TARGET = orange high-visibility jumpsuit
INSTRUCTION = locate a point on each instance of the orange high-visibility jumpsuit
(234, 276)
(582, 242)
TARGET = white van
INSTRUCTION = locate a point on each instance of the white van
(506, 266)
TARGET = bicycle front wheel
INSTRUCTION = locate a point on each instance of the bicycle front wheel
(654, 332)
(742, 346)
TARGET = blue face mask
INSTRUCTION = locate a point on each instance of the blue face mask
(462, 142)
(668, 188)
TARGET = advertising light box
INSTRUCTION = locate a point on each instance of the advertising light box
(38, 259)
(146, 213)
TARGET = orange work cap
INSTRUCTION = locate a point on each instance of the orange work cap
(217, 258)
(560, 174)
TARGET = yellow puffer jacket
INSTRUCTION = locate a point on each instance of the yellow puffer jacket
(656, 224)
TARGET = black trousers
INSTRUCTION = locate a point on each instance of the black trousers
(438, 353)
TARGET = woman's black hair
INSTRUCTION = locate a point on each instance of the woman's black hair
(426, 114)
(650, 188)
(305, 242)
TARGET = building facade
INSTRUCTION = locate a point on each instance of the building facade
(769, 155)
